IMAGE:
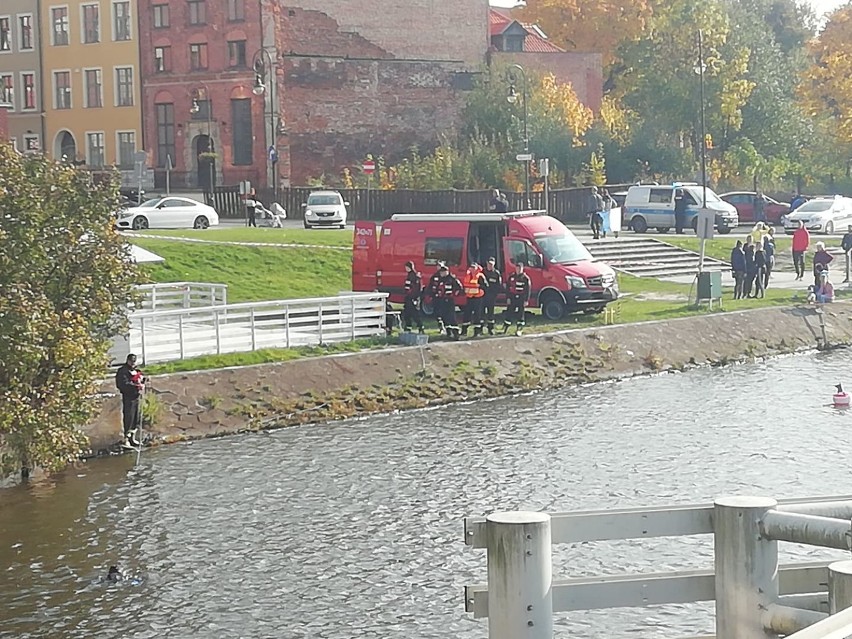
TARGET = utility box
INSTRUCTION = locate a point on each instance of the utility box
(709, 286)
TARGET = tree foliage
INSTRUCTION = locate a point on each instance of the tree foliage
(64, 280)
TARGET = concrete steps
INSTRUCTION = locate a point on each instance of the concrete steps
(648, 257)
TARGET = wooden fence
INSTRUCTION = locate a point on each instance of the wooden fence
(568, 205)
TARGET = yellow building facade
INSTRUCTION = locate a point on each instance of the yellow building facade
(90, 76)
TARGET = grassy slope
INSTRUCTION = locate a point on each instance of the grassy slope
(323, 237)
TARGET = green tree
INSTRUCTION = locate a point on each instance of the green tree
(65, 279)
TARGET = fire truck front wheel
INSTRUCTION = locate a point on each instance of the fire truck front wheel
(553, 306)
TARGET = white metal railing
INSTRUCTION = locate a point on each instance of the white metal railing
(755, 595)
(171, 295)
(168, 335)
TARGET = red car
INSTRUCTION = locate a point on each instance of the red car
(743, 201)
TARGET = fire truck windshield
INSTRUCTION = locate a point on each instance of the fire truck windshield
(563, 249)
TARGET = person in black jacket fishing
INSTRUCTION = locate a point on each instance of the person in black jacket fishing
(130, 383)
(518, 288)
(495, 287)
(411, 303)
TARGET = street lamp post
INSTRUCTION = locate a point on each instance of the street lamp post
(512, 97)
(194, 109)
(700, 69)
(264, 75)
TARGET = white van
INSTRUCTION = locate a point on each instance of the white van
(652, 206)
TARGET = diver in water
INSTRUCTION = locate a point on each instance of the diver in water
(114, 575)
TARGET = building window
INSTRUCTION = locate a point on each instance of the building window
(443, 249)
(237, 53)
(95, 149)
(94, 89)
(59, 18)
(242, 133)
(62, 89)
(197, 56)
(162, 59)
(161, 16)
(124, 86)
(165, 134)
(121, 29)
(5, 34)
(197, 12)
(26, 24)
(7, 89)
(126, 149)
(236, 10)
(29, 91)
(91, 26)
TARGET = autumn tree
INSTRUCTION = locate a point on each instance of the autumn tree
(65, 279)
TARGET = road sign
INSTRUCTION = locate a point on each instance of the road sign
(273, 154)
(140, 156)
(544, 167)
(706, 224)
(524, 157)
(369, 166)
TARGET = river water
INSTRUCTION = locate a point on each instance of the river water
(355, 529)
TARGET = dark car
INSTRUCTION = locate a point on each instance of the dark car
(743, 201)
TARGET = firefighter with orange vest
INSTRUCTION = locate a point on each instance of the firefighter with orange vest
(444, 289)
(475, 286)
(518, 289)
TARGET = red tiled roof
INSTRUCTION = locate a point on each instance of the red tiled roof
(534, 42)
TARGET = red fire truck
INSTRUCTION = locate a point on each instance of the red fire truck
(565, 277)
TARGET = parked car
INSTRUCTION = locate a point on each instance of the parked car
(653, 206)
(821, 215)
(168, 213)
(743, 201)
(325, 208)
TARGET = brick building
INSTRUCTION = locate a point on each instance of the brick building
(199, 111)
(354, 81)
(4, 121)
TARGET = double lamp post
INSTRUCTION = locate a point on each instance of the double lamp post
(512, 97)
(265, 84)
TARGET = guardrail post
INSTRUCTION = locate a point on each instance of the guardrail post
(180, 335)
(153, 298)
(319, 317)
(287, 326)
(142, 333)
(253, 337)
(520, 599)
(839, 586)
(218, 337)
(352, 319)
(746, 567)
(187, 299)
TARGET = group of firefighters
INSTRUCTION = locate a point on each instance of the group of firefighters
(480, 288)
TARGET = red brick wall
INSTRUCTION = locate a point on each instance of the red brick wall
(223, 82)
(344, 95)
(582, 70)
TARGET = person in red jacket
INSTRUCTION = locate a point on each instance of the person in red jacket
(801, 241)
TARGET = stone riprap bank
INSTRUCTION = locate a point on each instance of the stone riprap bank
(223, 401)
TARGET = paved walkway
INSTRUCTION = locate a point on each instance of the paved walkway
(172, 238)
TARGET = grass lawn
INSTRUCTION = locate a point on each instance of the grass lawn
(253, 273)
(321, 237)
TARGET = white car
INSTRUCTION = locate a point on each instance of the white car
(822, 215)
(325, 208)
(168, 213)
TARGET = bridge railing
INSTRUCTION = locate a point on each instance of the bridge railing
(171, 295)
(755, 595)
(168, 335)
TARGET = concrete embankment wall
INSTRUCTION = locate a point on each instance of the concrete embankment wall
(223, 401)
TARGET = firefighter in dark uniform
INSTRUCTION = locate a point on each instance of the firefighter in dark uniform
(518, 288)
(495, 285)
(444, 293)
(475, 286)
(432, 291)
(411, 308)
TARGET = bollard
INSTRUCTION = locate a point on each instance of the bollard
(520, 598)
(839, 586)
(746, 567)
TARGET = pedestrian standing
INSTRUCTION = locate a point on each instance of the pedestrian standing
(596, 219)
(680, 205)
(801, 241)
(446, 290)
(759, 207)
(130, 383)
(251, 210)
(822, 259)
(751, 269)
(518, 288)
(759, 270)
(846, 245)
(411, 304)
(608, 203)
(432, 290)
(475, 286)
(494, 288)
(738, 269)
(769, 254)
(499, 203)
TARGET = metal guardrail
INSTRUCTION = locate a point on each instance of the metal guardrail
(168, 335)
(754, 594)
(172, 295)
